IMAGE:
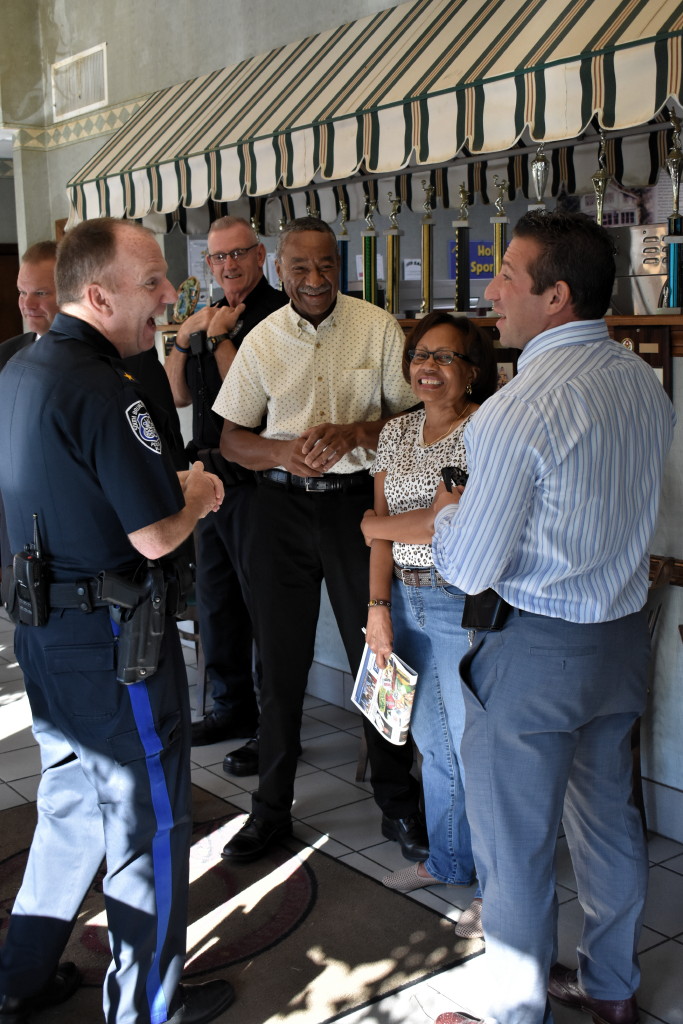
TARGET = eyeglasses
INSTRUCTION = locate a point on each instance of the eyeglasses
(442, 356)
(217, 258)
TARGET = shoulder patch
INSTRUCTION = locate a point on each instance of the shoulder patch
(143, 427)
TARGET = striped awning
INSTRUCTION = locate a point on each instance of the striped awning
(410, 87)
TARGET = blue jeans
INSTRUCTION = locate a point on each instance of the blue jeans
(428, 635)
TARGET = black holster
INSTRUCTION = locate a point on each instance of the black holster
(141, 630)
(486, 611)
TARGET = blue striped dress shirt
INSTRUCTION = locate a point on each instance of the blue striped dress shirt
(565, 468)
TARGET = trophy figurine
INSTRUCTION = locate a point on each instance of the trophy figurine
(369, 237)
(501, 187)
(343, 217)
(461, 254)
(464, 210)
(427, 228)
(393, 237)
(600, 179)
(539, 176)
(500, 222)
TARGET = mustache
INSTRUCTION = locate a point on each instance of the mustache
(308, 290)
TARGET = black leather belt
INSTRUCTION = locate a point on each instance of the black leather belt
(81, 594)
(419, 577)
(347, 482)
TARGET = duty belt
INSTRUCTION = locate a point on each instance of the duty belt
(347, 482)
(83, 594)
(419, 577)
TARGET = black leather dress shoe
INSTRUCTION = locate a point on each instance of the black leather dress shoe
(60, 987)
(243, 761)
(410, 832)
(202, 1003)
(564, 987)
(255, 838)
(218, 726)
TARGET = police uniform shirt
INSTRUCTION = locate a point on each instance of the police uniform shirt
(81, 450)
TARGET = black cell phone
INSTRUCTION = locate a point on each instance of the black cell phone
(453, 476)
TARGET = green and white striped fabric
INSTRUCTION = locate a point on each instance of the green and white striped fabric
(409, 87)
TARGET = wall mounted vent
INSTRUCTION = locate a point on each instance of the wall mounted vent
(79, 83)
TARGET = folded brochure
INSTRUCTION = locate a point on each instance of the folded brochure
(385, 695)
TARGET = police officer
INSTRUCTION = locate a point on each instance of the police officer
(81, 456)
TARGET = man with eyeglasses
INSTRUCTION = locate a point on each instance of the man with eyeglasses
(196, 367)
(326, 372)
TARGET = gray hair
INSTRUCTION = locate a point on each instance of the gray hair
(299, 225)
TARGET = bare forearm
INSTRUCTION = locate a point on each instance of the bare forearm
(203, 493)
(175, 365)
(251, 450)
(415, 527)
(224, 355)
(381, 570)
(165, 535)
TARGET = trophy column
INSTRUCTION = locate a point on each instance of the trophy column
(500, 223)
(461, 253)
(427, 271)
(343, 250)
(370, 255)
(393, 237)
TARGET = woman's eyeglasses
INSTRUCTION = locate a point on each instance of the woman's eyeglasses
(442, 356)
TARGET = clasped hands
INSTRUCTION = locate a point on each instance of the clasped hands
(318, 449)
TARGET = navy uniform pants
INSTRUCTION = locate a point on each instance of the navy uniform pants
(115, 784)
(549, 709)
(222, 605)
(300, 539)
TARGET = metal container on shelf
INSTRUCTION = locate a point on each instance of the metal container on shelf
(641, 260)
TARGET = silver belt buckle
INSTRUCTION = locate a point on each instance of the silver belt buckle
(312, 484)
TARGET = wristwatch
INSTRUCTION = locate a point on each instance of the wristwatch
(217, 339)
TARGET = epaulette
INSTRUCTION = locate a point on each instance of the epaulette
(126, 376)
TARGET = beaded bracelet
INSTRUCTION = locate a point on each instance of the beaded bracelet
(376, 602)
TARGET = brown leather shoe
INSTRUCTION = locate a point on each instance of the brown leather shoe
(564, 987)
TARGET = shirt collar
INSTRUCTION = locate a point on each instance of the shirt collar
(306, 327)
(577, 332)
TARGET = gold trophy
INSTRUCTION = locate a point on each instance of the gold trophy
(393, 237)
(600, 179)
(500, 222)
(539, 175)
(461, 246)
(369, 237)
(427, 228)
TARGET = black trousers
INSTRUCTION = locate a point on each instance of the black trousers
(299, 539)
(222, 604)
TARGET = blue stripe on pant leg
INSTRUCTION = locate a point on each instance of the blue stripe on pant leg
(161, 844)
